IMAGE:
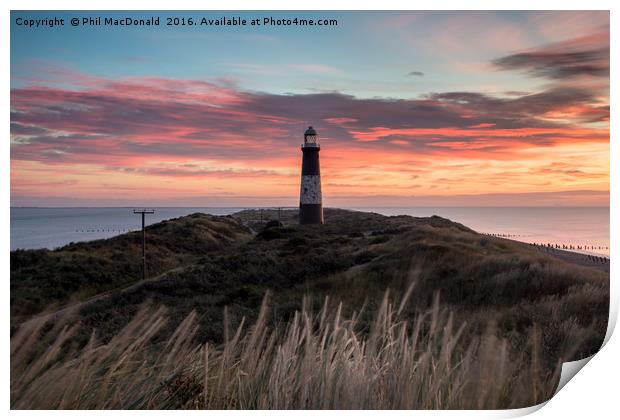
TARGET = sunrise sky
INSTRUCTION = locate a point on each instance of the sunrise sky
(413, 109)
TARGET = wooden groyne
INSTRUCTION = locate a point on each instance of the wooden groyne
(553, 245)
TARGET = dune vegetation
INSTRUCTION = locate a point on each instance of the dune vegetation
(487, 325)
(314, 361)
(46, 280)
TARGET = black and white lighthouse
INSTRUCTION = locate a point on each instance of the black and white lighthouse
(310, 201)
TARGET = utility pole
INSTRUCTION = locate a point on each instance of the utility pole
(143, 212)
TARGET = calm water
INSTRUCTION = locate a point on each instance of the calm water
(39, 227)
(54, 227)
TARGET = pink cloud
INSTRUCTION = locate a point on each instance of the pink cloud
(180, 137)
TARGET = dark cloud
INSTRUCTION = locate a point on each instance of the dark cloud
(26, 130)
(159, 117)
(558, 65)
(525, 110)
(588, 56)
(415, 73)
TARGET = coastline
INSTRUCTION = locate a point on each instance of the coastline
(599, 262)
(52, 227)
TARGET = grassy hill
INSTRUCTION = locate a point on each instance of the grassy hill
(46, 280)
(222, 272)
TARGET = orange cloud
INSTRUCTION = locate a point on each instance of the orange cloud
(183, 140)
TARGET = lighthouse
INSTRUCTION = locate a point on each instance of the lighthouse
(310, 201)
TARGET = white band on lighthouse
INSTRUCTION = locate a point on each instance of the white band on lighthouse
(310, 189)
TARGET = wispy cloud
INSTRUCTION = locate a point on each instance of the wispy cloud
(314, 68)
(585, 56)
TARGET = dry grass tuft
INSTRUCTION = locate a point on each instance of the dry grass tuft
(316, 361)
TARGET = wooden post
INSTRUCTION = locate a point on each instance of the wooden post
(143, 212)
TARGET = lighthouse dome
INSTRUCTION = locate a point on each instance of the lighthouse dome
(310, 132)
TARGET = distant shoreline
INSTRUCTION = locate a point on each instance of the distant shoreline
(54, 227)
(570, 256)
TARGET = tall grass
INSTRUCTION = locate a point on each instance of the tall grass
(317, 360)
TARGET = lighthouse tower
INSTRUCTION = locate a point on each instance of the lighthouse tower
(310, 201)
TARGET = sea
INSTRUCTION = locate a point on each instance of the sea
(585, 229)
